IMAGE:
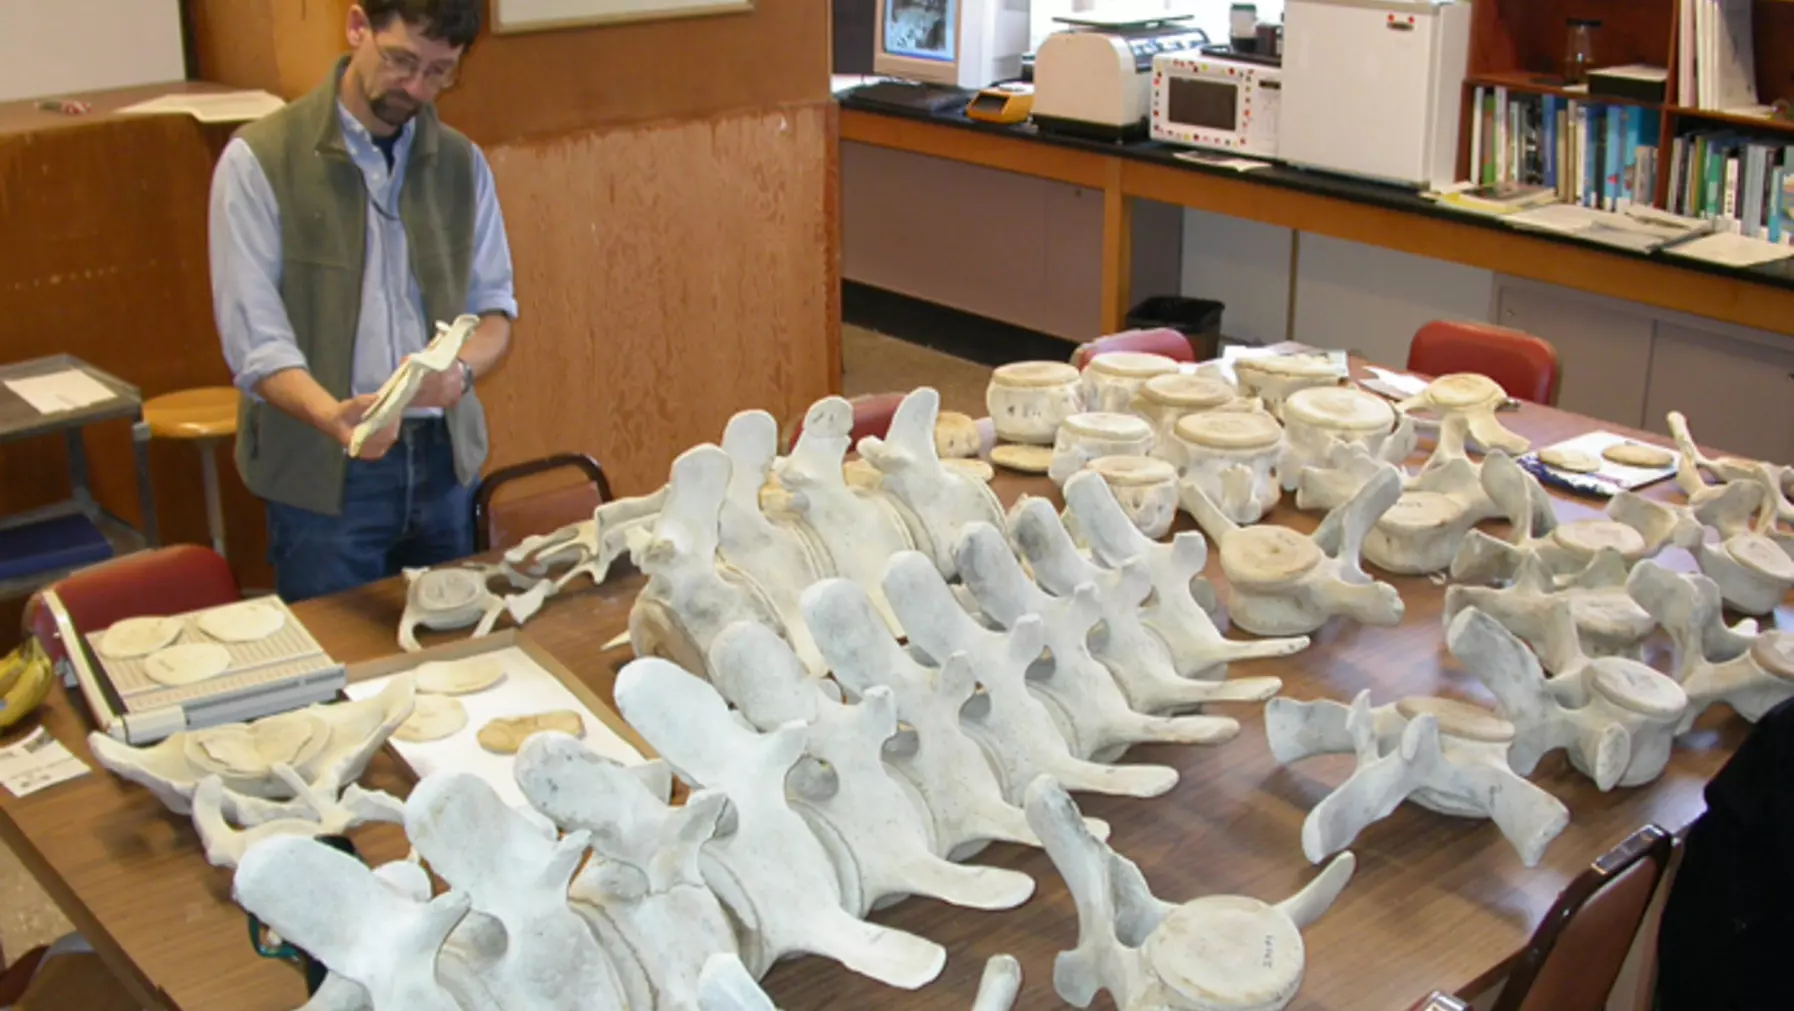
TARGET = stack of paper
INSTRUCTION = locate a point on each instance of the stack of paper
(224, 107)
(68, 390)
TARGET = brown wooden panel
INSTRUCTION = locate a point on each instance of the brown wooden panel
(669, 276)
(554, 82)
(105, 258)
(1529, 35)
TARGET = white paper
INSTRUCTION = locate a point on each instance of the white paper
(37, 762)
(223, 107)
(1732, 250)
(1612, 476)
(68, 390)
(1234, 162)
(1401, 382)
(526, 689)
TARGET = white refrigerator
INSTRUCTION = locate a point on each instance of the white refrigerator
(1374, 89)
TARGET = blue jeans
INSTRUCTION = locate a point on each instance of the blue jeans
(404, 510)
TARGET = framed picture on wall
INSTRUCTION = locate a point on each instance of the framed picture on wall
(513, 16)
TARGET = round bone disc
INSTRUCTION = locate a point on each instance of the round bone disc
(1636, 687)
(1637, 454)
(1774, 652)
(1027, 459)
(1228, 953)
(1229, 429)
(432, 718)
(1760, 555)
(1589, 536)
(1574, 460)
(1035, 374)
(1464, 389)
(249, 621)
(1340, 407)
(1132, 364)
(135, 637)
(1180, 390)
(1267, 554)
(1108, 425)
(186, 663)
(460, 677)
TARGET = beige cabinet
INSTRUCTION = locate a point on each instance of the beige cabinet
(1735, 386)
(1603, 346)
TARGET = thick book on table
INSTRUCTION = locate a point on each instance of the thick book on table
(55, 543)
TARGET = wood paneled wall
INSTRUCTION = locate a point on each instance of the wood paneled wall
(656, 303)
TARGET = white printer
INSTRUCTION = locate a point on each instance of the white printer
(1095, 78)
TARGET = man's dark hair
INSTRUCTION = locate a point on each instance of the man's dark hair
(456, 22)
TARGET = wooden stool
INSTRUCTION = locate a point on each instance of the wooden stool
(206, 416)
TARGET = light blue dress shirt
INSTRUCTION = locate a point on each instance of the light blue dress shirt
(246, 265)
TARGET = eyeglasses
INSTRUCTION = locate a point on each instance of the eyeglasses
(404, 65)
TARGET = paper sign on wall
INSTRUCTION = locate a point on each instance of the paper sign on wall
(544, 15)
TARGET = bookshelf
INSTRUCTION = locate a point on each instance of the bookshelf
(1518, 46)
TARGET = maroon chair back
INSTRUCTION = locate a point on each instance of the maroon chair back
(1161, 341)
(1576, 953)
(1524, 365)
(169, 580)
(501, 525)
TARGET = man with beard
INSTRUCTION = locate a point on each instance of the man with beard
(343, 228)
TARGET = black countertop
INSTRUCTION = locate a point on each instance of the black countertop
(1779, 274)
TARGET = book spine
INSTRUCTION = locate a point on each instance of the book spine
(1585, 147)
(1776, 185)
(1729, 190)
(1548, 141)
(1476, 136)
(1566, 157)
(1615, 158)
(1501, 158)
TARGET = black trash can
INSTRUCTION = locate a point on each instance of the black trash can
(1198, 319)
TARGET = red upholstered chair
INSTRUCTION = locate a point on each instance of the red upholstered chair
(501, 525)
(872, 414)
(1161, 341)
(169, 580)
(1524, 365)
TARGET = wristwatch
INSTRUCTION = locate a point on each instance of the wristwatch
(466, 376)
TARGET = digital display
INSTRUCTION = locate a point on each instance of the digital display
(922, 29)
(1212, 105)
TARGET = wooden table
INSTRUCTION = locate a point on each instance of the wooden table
(1436, 901)
(1323, 204)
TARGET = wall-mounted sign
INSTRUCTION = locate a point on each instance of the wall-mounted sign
(509, 16)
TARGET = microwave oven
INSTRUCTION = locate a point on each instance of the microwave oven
(1222, 103)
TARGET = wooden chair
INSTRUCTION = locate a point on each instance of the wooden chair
(501, 526)
(168, 580)
(1524, 365)
(62, 977)
(1161, 341)
(1576, 953)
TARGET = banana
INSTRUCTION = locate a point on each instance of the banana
(11, 667)
(31, 687)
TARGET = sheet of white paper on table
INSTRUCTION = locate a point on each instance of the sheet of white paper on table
(1730, 249)
(1616, 475)
(526, 689)
(222, 107)
(37, 762)
(1234, 162)
(55, 392)
(1408, 386)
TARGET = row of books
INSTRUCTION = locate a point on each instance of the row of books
(1589, 153)
(1745, 184)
